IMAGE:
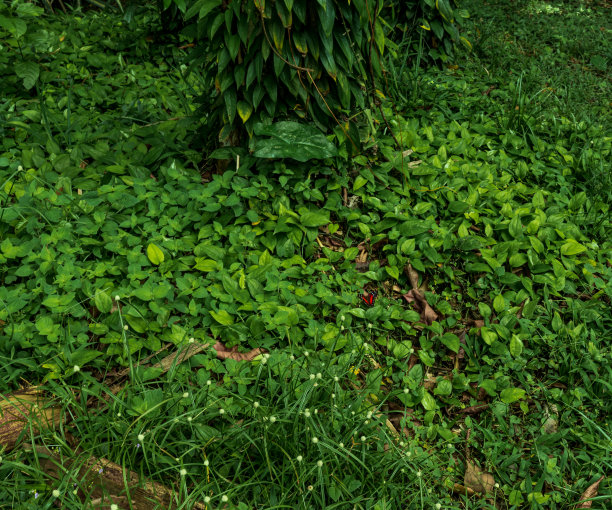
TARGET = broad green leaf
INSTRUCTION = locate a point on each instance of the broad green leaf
(485, 310)
(516, 346)
(510, 395)
(222, 317)
(572, 247)
(428, 402)
(488, 335)
(444, 388)
(360, 181)
(313, 219)
(29, 71)
(351, 253)
(103, 302)
(392, 271)
(451, 341)
(206, 265)
(499, 303)
(292, 140)
(515, 228)
(155, 255)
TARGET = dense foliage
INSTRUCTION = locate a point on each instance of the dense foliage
(486, 234)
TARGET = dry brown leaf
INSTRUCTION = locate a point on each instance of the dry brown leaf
(477, 479)
(427, 313)
(412, 164)
(407, 153)
(225, 353)
(474, 409)
(591, 492)
(413, 276)
(461, 489)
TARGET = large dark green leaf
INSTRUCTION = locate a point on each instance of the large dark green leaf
(292, 140)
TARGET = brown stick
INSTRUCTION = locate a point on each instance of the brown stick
(102, 481)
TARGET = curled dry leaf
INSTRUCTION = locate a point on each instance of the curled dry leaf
(591, 492)
(225, 353)
(422, 306)
(477, 479)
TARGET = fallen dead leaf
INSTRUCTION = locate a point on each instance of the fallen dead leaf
(591, 492)
(477, 479)
(427, 313)
(225, 353)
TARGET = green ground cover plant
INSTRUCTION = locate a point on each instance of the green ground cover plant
(479, 378)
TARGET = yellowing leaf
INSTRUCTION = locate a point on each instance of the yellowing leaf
(244, 110)
(156, 256)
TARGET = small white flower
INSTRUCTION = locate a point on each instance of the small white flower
(306, 353)
(353, 413)
(497, 486)
(411, 351)
(315, 440)
(76, 368)
(114, 507)
(438, 506)
(56, 493)
(189, 418)
(369, 415)
(118, 415)
(341, 445)
(402, 444)
(221, 411)
(191, 340)
(312, 376)
(206, 499)
(366, 422)
(292, 357)
(186, 394)
(299, 458)
(406, 390)
(209, 382)
(316, 411)
(408, 453)
(366, 346)
(20, 168)
(141, 437)
(117, 298)
(336, 378)
(177, 459)
(310, 487)
(342, 318)
(363, 439)
(255, 405)
(419, 474)
(342, 327)
(206, 462)
(333, 395)
(272, 419)
(125, 327)
(224, 498)
(306, 413)
(315, 384)
(319, 375)
(320, 463)
(264, 361)
(369, 325)
(183, 471)
(266, 355)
